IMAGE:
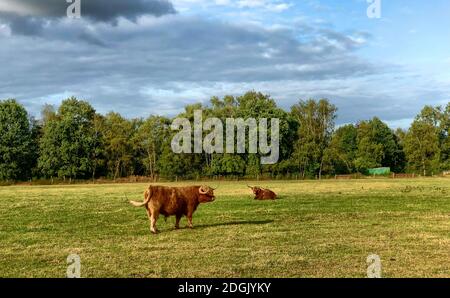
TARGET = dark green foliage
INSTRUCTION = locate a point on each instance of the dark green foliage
(17, 149)
(316, 125)
(148, 143)
(341, 154)
(68, 141)
(74, 142)
(424, 142)
(378, 146)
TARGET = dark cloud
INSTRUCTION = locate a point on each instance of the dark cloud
(22, 25)
(99, 10)
(107, 10)
(29, 17)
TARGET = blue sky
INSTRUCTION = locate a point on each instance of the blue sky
(155, 56)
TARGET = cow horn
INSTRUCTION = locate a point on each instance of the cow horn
(202, 191)
(249, 186)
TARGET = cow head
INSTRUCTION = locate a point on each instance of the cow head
(206, 194)
(256, 190)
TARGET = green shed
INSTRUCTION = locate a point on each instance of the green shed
(379, 171)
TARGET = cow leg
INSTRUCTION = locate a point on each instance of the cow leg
(177, 223)
(149, 214)
(153, 218)
(189, 217)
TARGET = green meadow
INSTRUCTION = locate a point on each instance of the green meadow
(316, 229)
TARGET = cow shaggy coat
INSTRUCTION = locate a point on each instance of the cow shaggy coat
(263, 194)
(174, 201)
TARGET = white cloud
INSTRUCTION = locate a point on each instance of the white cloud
(4, 30)
(275, 6)
(280, 7)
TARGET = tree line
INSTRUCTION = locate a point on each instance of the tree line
(73, 141)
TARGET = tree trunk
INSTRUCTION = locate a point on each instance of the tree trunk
(93, 172)
(150, 165)
(154, 165)
(320, 169)
(424, 168)
(116, 172)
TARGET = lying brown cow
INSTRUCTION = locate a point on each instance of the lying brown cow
(177, 201)
(263, 194)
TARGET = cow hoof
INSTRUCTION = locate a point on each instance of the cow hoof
(177, 227)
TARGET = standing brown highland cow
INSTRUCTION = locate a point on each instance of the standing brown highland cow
(177, 201)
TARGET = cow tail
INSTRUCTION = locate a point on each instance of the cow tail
(147, 196)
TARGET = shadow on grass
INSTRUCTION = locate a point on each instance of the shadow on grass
(277, 199)
(234, 223)
(231, 223)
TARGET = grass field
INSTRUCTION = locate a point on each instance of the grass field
(316, 229)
